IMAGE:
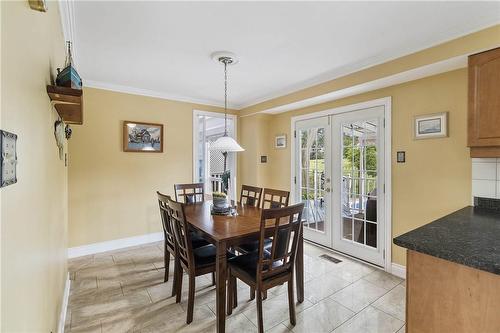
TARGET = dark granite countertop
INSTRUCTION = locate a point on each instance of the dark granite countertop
(469, 236)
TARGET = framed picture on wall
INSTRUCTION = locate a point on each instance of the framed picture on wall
(431, 126)
(142, 137)
(280, 141)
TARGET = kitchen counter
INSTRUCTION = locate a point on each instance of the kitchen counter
(453, 271)
(469, 236)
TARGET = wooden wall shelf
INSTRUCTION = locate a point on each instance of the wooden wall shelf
(68, 103)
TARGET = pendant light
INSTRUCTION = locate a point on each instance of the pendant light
(225, 143)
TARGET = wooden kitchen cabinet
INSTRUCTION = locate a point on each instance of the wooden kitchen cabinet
(484, 104)
(443, 296)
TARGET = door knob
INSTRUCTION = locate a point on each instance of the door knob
(328, 189)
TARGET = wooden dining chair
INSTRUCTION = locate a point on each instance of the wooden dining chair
(250, 195)
(189, 193)
(269, 267)
(270, 199)
(193, 261)
(168, 233)
(169, 246)
(275, 198)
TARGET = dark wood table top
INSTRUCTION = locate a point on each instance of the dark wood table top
(223, 228)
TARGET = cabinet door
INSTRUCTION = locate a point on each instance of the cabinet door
(484, 99)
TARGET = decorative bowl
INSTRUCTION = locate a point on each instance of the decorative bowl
(220, 200)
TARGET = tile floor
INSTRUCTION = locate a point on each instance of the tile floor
(123, 291)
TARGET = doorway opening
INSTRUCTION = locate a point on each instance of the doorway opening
(341, 172)
(209, 165)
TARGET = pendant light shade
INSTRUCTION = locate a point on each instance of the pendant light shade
(226, 144)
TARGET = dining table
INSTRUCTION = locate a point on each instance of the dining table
(228, 231)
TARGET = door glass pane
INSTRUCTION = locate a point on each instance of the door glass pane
(312, 165)
(359, 231)
(347, 227)
(371, 234)
(359, 178)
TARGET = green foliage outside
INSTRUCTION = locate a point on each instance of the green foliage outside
(351, 162)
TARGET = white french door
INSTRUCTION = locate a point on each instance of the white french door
(339, 175)
(313, 177)
(358, 205)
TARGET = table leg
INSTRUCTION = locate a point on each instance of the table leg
(220, 296)
(299, 268)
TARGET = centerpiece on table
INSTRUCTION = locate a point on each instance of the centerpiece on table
(221, 204)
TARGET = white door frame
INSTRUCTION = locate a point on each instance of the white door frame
(234, 134)
(386, 102)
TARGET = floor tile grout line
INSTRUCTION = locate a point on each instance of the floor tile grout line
(404, 321)
(342, 323)
(372, 303)
(323, 300)
(369, 304)
(150, 298)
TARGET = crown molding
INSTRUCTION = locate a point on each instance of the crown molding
(410, 75)
(153, 93)
(406, 76)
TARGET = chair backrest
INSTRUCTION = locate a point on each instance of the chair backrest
(189, 193)
(274, 198)
(181, 233)
(250, 195)
(165, 220)
(285, 226)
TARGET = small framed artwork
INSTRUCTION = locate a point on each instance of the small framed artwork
(431, 126)
(142, 137)
(280, 141)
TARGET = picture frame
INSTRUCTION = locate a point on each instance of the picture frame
(430, 126)
(141, 137)
(280, 141)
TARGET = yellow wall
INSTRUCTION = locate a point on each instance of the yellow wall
(435, 180)
(255, 131)
(34, 210)
(112, 194)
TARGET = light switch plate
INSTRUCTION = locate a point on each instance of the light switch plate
(401, 157)
(8, 158)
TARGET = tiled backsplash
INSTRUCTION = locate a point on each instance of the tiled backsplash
(486, 177)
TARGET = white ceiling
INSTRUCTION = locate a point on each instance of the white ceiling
(163, 49)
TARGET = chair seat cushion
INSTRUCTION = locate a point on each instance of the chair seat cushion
(205, 255)
(254, 246)
(197, 240)
(247, 263)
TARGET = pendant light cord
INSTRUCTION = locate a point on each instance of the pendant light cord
(225, 98)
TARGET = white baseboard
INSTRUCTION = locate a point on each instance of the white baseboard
(399, 270)
(115, 244)
(64, 306)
